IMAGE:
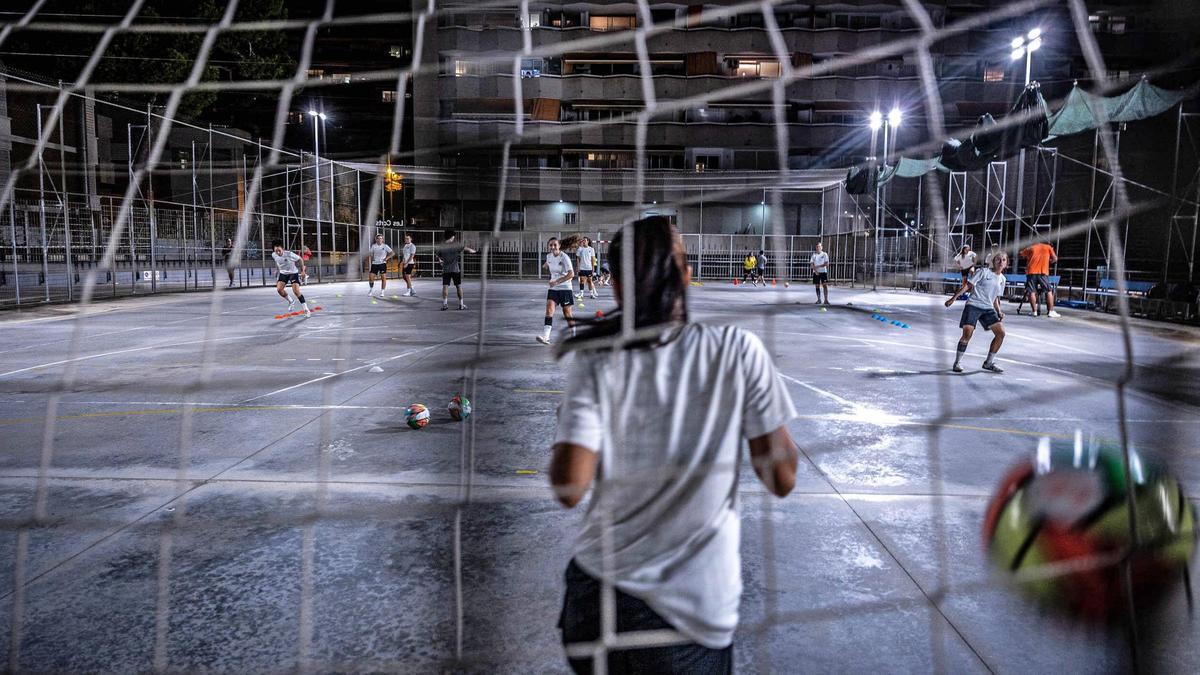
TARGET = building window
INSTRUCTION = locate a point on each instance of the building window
(993, 75)
(341, 78)
(754, 67)
(535, 20)
(570, 218)
(1116, 25)
(296, 118)
(708, 162)
(315, 74)
(531, 67)
(389, 96)
(608, 23)
(395, 51)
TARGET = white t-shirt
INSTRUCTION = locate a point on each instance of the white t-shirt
(668, 424)
(286, 262)
(986, 286)
(410, 253)
(380, 253)
(586, 254)
(559, 266)
(966, 262)
(819, 261)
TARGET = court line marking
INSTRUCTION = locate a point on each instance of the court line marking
(369, 364)
(539, 391)
(127, 351)
(200, 407)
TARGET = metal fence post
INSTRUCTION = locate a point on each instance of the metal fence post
(12, 216)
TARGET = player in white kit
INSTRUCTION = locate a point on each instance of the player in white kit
(380, 253)
(561, 273)
(286, 261)
(408, 263)
(587, 267)
(820, 272)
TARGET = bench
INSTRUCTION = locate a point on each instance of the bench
(1017, 282)
(923, 280)
(1110, 289)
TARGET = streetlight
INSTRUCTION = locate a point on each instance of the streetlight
(894, 117)
(317, 182)
(1024, 46)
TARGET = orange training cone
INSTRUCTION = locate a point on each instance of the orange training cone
(735, 281)
(772, 281)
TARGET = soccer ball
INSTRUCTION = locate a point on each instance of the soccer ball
(1068, 507)
(416, 415)
(459, 408)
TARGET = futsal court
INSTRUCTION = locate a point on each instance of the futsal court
(283, 507)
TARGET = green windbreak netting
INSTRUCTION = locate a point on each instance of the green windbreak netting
(1081, 112)
(1084, 111)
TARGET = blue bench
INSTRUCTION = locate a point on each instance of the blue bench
(1109, 289)
(923, 280)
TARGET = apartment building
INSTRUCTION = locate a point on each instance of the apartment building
(579, 94)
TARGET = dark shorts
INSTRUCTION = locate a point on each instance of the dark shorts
(972, 314)
(561, 296)
(379, 268)
(967, 272)
(408, 269)
(580, 622)
(820, 277)
(452, 278)
(585, 273)
(1037, 283)
(293, 278)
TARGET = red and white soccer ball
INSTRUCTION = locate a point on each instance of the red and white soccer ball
(459, 408)
(416, 415)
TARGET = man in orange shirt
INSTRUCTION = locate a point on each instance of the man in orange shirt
(1037, 270)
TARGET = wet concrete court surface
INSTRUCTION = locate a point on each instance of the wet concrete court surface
(271, 510)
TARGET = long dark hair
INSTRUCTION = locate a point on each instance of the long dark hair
(659, 278)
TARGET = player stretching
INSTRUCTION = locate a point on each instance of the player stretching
(587, 267)
(820, 271)
(451, 256)
(1039, 255)
(380, 253)
(289, 275)
(409, 263)
(986, 286)
(561, 273)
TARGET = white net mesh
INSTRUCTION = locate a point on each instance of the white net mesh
(82, 254)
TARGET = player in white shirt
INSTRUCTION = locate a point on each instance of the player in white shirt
(558, 264)
(408, 263)
(986, 286)
(966, 261)
(285, 262)
(656, 431)
(820, 272)
(587, 267)
(380, 253)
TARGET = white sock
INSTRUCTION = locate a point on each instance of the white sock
(990, 357)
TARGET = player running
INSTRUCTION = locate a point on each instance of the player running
(820, 272)
(451, 256)
(748, 265)
(986, 286)
(587, 267)
(409, 263)
(561, 273)
(966, 261)
(286, 261)
(380, 254)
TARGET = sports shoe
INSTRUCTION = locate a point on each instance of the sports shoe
(957, 368)
(370, 292)
(445, 307)
(543, 339)
(462, 305)
(594, 296)
(307, 313)
(1053, 314)
(410, 293)
(993, 367)
(291, 303)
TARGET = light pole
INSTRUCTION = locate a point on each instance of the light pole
(874, 121)
(317, 181)
(1023, 47)
(893, 121)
